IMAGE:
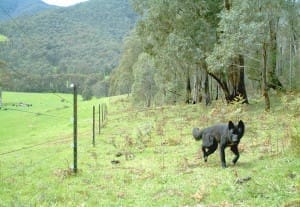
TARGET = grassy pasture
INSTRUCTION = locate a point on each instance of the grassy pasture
(159, 161)
(3, 38)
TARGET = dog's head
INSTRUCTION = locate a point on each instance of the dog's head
(236, 132)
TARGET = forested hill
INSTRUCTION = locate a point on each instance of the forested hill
(14, 8)
(66, 44)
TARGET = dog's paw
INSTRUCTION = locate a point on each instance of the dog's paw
(235, 160)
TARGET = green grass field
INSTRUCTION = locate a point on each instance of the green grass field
(3, 38)
(159, 161)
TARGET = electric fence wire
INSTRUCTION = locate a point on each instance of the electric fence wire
(30, 112)
(40, 161)
(36, 113)
(62, 98)
(39, 144)
(36, 145)
(32, 165)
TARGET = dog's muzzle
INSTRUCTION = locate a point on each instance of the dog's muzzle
(234, 140)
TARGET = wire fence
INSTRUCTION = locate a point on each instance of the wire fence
(34, 164)
(102, 114)
(35, 145)
(62, 153)
(31, 112)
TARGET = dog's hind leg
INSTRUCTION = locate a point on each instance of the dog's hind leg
(235, 150)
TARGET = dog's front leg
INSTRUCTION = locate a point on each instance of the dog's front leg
(204, 154)
(235, 150)
(222, 155)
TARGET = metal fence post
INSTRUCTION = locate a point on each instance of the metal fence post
(74, 127)
(94, 126)
(99, 122)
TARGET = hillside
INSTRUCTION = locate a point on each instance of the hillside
(52, 48)
(14, 8)
(145, 157)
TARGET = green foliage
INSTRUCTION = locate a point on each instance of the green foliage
(185, 37)
(80, 40)
(158, 160)
(176, 34)
(3, 38)
(144, 87)
(87, 93)
(122, 77)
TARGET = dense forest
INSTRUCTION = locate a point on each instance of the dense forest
(46, 51)
(197, 51)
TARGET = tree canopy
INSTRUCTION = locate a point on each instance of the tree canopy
(199, 48)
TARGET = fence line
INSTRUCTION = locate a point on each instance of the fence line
(102, 110)
(62, 98)
(36, 113)
(34, 164)
(102, 118)
(36, 145)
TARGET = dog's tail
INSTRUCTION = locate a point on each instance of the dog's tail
(197, 134)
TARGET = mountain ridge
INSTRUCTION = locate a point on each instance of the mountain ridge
(82, 39)
(15, 8)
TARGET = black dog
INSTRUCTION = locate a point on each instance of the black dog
(224, 134)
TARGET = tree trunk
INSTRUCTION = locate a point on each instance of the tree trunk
(227, 4)
(290, 67)
(205, 86)
(148, 102)
(222, 83)
(197, 88)
(241, 90)
(235, 88)
(188, 95)
(273, 81)
(217, 92)
(264, 78)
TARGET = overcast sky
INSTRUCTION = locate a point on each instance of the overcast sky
(63, 2)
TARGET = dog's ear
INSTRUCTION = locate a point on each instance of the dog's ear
(241, 128)
(230, 125)
(241, 125)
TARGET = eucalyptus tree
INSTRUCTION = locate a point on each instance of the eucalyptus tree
(247, 29)
(2, 73)
(122, 77)
(144, 87)
(288, 44)
(226, 62)
(191, 40)
(178, 34)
